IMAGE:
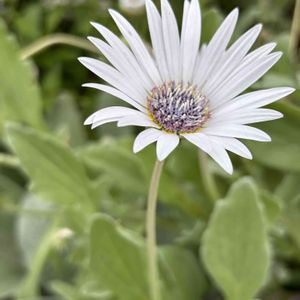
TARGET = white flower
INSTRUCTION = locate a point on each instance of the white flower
(181, 92)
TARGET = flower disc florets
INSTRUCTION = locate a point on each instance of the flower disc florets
(178, 107)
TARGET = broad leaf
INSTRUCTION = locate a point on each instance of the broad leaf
(118, 262)
(183, 277)
(284, 152)
(235, 247)
(11, 268)
(19, 94)
(120, 164)
(55, 172)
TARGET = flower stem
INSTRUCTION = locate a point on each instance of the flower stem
(295, 31)
(207, 178)
(53, 39)
(153, 271)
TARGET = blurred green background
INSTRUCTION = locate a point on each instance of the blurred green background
(56, 176)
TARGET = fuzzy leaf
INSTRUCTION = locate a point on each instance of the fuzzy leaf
(56, 174)
(19, 94)
(284, 152)
(118, 261)
(122, 165)
(235, 248)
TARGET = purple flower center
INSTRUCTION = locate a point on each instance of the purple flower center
(178, 108)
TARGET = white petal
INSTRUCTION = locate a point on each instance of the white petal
(259, 52)
(145, 138)
(237, 131)
(125, 54)
(200, 140)
(121, 65)
(186, 9)
(246, 117)
(171, 39)
(253, 100)
(190, 38)
(166, 143)
(242, 79)
(216, 48)
(116, 93)
(200, 57)
(137, 46)
(233, 145)
(104, 115)
(219, 154)
(234, 56)
(112, 76)
(156, 33)
(138, 119)
(212, 147)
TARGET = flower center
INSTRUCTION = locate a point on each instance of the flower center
(178, 108)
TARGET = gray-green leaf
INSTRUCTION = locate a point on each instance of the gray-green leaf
(55, 172)
(19, 94)
(118, 262)
(235, 247)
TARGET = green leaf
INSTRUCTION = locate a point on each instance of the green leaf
(11, 269)
(19, 94)
(289, 191)
(211, 22)
(184, 279)
(56, 174)
(30, 286)
(32, 224)
(283, 153)
(65, 116)
(235, 248)
(71, 292)
(291, 219)
(115, 160)
(271, 205)
(118, 262)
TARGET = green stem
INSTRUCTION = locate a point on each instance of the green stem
(9, 160)
(29, 288)
(153, 271)
(208, 180)
(54, 39)
(295, 31)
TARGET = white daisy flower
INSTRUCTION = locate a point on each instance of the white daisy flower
(180, 91)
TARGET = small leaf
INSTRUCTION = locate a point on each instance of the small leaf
(19, 94)
(55, 172)
(235, 248)
(291, 219)
(271, 205)
(289, 191)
